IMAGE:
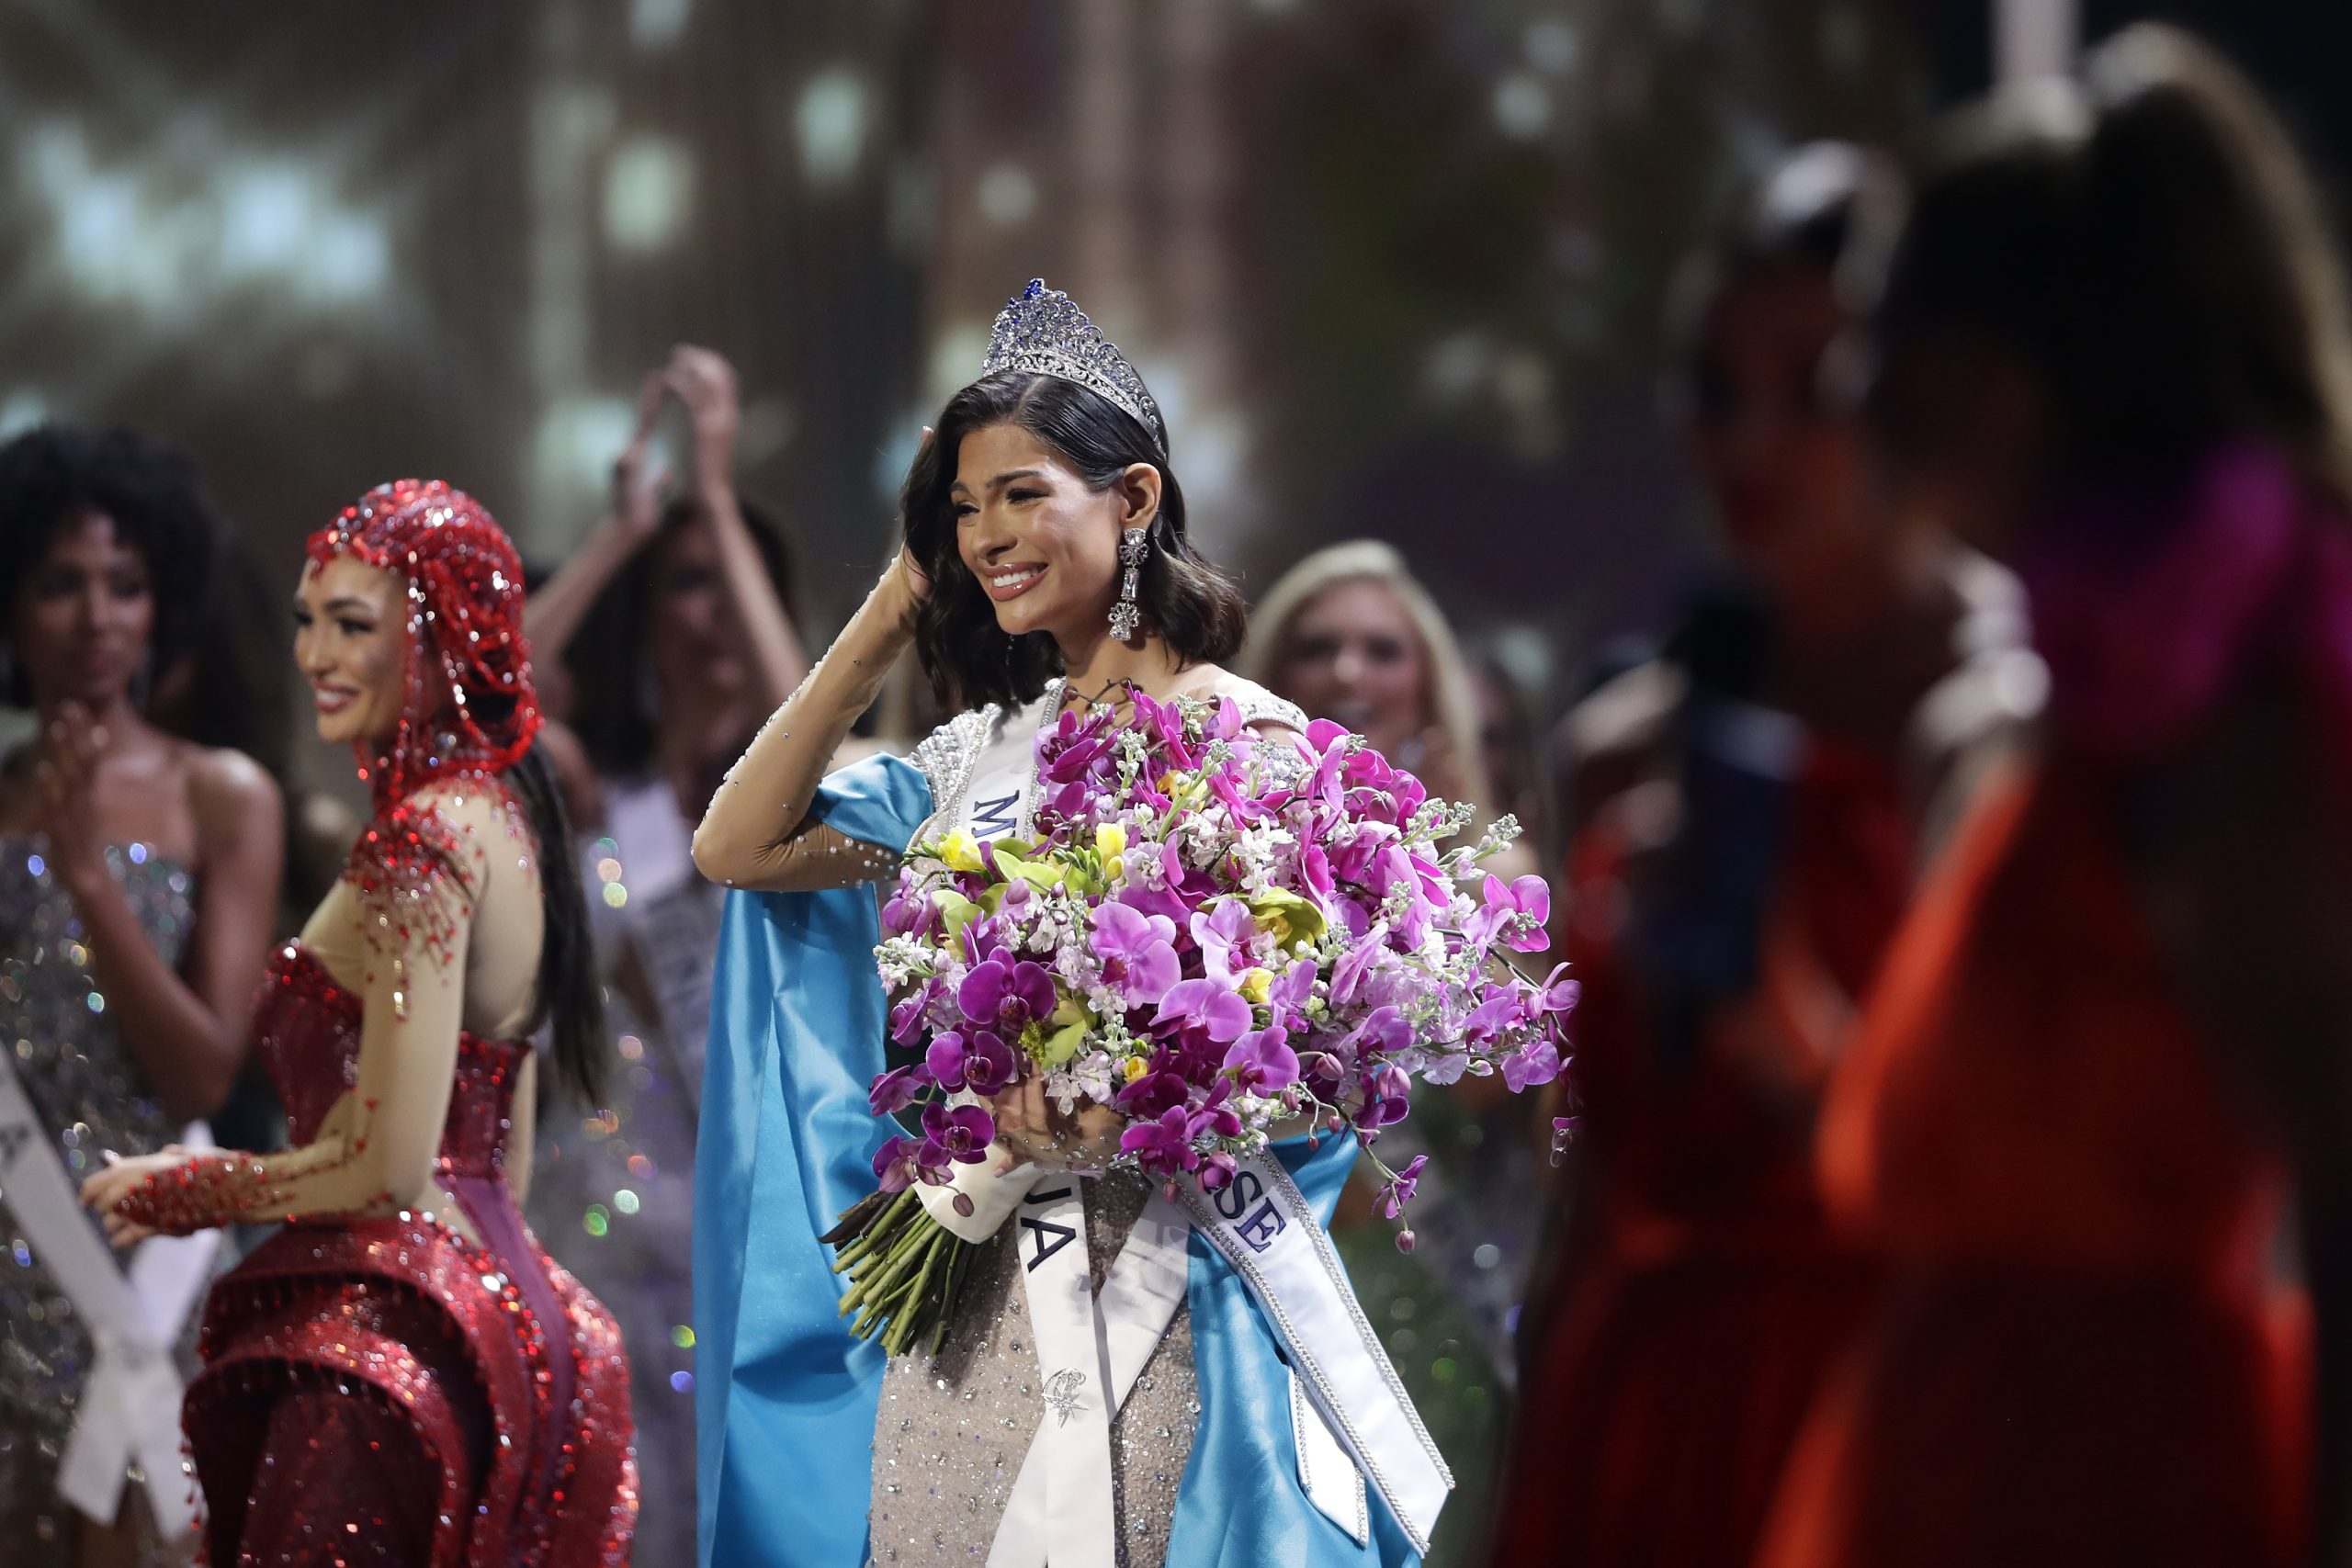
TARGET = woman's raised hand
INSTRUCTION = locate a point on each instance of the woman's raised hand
(704, 382)
(637, 499)
(908, 569)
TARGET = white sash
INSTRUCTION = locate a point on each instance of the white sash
(1074, 1505)
(1260, 1224)
(1060, 1509)
(131, 1403)
(999, 802)
(1138, 1298)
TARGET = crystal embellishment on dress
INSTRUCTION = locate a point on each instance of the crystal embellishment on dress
(1042, 330)
(1062, 1394)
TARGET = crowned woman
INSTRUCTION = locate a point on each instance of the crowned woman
(400, 1375)
(1128, 1399)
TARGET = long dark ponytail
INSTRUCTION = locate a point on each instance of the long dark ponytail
(570, 997)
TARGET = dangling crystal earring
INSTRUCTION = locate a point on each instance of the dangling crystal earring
(1126, 615)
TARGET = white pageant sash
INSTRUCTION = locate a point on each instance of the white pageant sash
(131, 1403)
(999, 802)
(1138, 1298)
(1326, 1473)
(1070, 1521)
(1260, 1224)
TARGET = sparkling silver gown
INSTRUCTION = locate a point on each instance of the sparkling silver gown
(950, 1433)
(84, 1081)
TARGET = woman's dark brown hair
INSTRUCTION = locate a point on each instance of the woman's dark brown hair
(613, 700)
(1191, 604)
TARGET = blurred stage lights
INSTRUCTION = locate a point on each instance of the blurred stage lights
(829, 121)
(249, 224)
(574, 454)
(1522, 107)
(1006, 194)
(648, 185)
(21, 411)
(655, 24)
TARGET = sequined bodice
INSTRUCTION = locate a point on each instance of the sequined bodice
(78, 1071)
(307, 1028)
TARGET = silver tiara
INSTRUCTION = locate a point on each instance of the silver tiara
(1042, 330)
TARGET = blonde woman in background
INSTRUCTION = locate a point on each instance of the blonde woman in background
(1350, 635)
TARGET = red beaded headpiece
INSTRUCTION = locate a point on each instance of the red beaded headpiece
(469, 706)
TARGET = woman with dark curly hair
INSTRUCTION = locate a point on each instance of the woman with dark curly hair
(138, 881)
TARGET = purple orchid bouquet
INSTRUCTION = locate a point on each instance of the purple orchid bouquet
(1211, 934)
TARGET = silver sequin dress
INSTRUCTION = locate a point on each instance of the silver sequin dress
(84, 1083)
(950, 1433)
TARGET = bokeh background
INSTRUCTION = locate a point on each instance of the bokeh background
(1395, 266)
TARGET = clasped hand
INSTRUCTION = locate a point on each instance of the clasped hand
(1034, 1129)
(107, 1185)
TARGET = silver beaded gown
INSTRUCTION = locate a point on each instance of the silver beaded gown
(950, 1433)
(84, 1081)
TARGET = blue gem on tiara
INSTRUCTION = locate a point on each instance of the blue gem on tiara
(1042, 330)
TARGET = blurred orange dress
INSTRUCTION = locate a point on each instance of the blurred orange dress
(2087, 1358)
(1706, 1293)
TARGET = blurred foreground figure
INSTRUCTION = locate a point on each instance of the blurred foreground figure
(2116, 1027)
(669, 622)
(138, 880)
(1747, 810)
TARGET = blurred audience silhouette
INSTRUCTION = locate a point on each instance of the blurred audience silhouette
(2115, 1030)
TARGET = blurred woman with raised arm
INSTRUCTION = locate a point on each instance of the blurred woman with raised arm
(673, 623)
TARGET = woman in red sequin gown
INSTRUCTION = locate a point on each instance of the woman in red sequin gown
(2116, 1029)
(1746, 842)
(401, 1375)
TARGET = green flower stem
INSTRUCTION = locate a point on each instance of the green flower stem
(950, 1293)
(903, 1325)
(903, 1255)
(884, 1222)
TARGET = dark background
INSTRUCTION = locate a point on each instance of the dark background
(1395, 266)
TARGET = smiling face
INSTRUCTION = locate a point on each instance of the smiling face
(83, 620)
(1352, 655)
(1043, 545)
(351, 632)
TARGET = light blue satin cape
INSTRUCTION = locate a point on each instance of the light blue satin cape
(785, 1398)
